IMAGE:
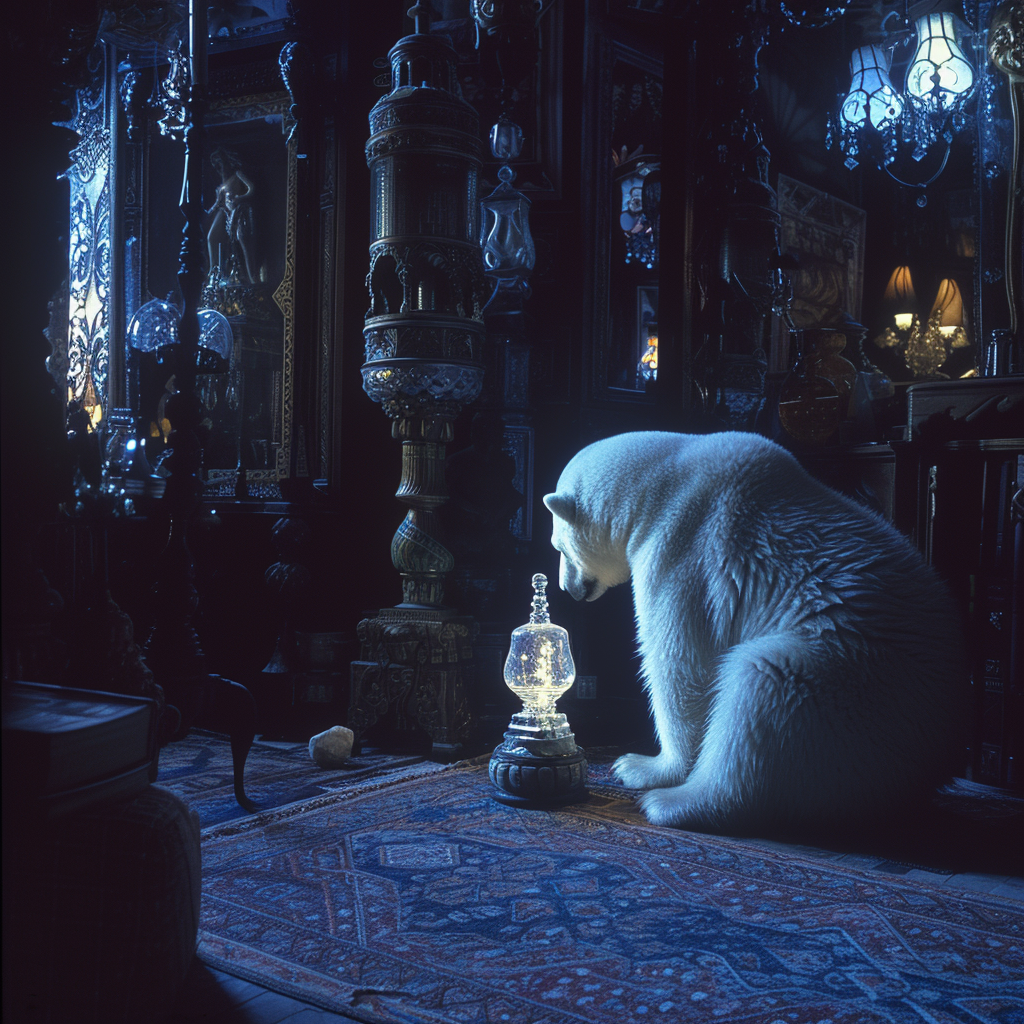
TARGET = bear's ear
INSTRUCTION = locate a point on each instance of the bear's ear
(561, 505)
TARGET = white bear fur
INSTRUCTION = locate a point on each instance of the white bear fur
(804, 666)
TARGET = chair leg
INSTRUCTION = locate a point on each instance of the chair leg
(235, 711)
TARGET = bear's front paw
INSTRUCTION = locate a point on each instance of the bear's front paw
(664, 807)
(637, 771)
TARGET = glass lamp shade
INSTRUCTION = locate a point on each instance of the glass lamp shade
(215, 332)
(949, 304)
(539, 667)
(154, 325)
(505, 237)
(900, 287)
(947, 314)
(939, 73)
(871, 100)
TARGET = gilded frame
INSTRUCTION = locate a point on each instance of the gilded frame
(236, 110)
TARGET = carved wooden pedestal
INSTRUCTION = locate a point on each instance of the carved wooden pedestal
(525, 780)
(424, 335)
(413, 663)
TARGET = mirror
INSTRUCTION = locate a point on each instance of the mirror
(245, 384)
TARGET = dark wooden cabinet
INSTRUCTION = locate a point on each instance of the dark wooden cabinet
(972, 531)
(961, 501)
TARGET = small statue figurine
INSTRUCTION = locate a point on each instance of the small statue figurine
(233, 229)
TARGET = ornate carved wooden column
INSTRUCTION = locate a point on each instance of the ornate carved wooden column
(424, 332)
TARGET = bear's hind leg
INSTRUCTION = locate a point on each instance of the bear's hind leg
(688, 806)
(764, 758)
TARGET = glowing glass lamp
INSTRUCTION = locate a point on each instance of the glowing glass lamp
(898, 303)
(538, 762)
(939, 82)
(929, 349)
(899, 297)
(926, 347)
(647, 368)
(939, 75)
(870, 102)
(948, 308)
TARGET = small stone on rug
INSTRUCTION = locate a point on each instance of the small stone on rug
(331, 749)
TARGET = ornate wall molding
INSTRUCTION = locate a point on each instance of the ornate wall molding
(284, 297)
(89, 246)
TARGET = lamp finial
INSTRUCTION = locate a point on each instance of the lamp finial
(539, 611)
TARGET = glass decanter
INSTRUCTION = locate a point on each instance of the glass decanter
(538, 670)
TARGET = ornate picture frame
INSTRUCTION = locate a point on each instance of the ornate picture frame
(273, 112)
(827, 237)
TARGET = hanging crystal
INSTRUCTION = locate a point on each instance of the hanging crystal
(638, 179)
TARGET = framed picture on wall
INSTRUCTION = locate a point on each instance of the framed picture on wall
(624, 104)
(826, 236)
(646, 334)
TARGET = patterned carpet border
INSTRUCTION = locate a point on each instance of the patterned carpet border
(199, 770)
(424, 901)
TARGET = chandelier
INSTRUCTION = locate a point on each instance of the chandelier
(874, 117)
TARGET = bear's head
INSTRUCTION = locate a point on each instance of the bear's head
(590, 561)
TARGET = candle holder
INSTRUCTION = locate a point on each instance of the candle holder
(538, 762)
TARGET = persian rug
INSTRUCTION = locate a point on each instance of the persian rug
(425, 901)
(198, 769)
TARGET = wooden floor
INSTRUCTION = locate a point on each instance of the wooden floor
(213, 997)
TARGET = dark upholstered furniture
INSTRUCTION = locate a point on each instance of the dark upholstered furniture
(101, 911)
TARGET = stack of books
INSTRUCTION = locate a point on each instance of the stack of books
(66, 749)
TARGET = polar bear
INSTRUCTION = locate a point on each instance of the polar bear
(804, 666)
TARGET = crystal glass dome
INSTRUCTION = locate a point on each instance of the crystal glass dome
(215, 332)
(154, 326)
(539, 667)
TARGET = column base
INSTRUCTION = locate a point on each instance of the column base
(412, 664)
